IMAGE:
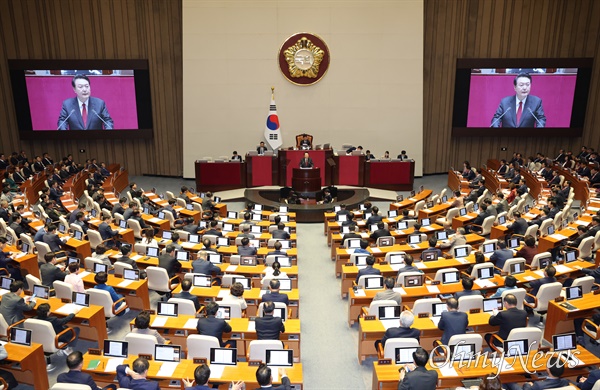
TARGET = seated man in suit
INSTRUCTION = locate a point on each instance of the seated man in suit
(269, 327)
(280, 232)
(417, 377)
(467, 284)
(369, 270)
(555, 369)
(202, 376)
(214, 230)
(364, 244)
(106, 232)
(408, 265)
(169, 262)
(13, 305)
(135, 379)
(75, 376)
(202, 266)
(508, 319)
(407, 318)
(51, 238)
(277, 251)
(306, 161)
(375, 218)
(380, 232)
(274, 295)
(261, 149)
(245, 249)
(432, 247)
(212, 326)
(456, 240)
(245, 232)
(388, 293)
(305, 143)
(354, 233)
(49, 272)
(500, 255)
(521, 109)
(453, 322)
(186, 286)
(236, 157)
(549, 273)
(265, 379)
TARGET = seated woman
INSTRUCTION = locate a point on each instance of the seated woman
(148, 238)
(142, 324)
(10, 183)
(236, 294)
(100, 279)
(274, 272)
(59, 324)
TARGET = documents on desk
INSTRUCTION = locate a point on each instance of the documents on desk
(484, 283)
(558, 237)
(155, 220)
(563, 269)
(399, 290)
(251, 326)
(433, 289)
(69, 308)
(397, 267)
(360, 293)
(231, 268)
(222, 293)
(125, 283)
(159, 321)
(375, 250)
(435, 320)
(188, 245)
(216, 370)
(111, 365)
(420, 265)
(192, 323)
(167, 369)
(448, 370)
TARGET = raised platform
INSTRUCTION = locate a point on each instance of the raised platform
(307, 212)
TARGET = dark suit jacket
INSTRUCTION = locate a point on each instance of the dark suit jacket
(50, 273)
(75, 121)
(53, 241)
(78, 377)
(399, 331)
(593, 376)
(509, 320)
(211, 326)
(536, 284)
(118, 208)
(246, 250)
(137, 384)
(205, 267)
(285, 385)
(519, 226)
(12, 307)
(306, 164)
(269, 327)
(508, 108)
(276, 297)
(550, 383)
(380, 233)
(367, 271)
(421, 379)
(281, 234)
(171, 264)
(106, 232)
(452, 323)
(191, 297)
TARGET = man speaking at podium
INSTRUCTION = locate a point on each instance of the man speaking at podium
(306, 162)
(522, 109)
(84, 112)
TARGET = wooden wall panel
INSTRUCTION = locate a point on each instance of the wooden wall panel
(101, 29)
(501, 29)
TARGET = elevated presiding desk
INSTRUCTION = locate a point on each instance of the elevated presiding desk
(104, 372)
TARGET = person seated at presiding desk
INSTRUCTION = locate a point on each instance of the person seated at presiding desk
(500, 255)
(306, 161)
(202, 377)
(386, 155)
(452, 322)
(261, 149)
(368, 270)
(432, 241)
(236, 294)
(269, 327)
(246, 249)
(75, 376)
(213, 326)
(467, 284)
(510, 283)
(186, 286)
(274, 295)
(388, 293)
(508, 319)
(236, 157)
(305, 143)
(135, 379)
(142, 326)
(352, 149)
(416, 376)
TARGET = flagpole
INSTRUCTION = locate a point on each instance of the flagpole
(272, 92)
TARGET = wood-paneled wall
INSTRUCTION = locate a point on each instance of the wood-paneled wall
(501, 29)
(101, 29)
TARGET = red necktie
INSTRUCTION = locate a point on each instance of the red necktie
(519, 112)
(84, 115)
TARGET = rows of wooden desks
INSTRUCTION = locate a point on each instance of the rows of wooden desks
(177, 329)
(363, 298)
(104, 372)
(342, 255)
(559, 319)
(512, 370)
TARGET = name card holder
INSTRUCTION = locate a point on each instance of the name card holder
(383, 362)
(200, 361)
(475, 311)
(94, 351)
(423, 315)
(369, 318)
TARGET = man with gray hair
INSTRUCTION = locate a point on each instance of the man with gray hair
(407, 318)
(245, 231)
(456, 240)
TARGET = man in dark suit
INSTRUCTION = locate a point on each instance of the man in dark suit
(84, 112)
(274, 295)
(586, 383)
(106, 231)
(375, 218)
(277, 251)
(594, 228)
(269, 327)
(555, 369)
(50, 272)
(245, 249)
(186, 286)
(380, 232)
(214, 230)
(306, 161)
(522, 109)
(594, 176)
(190, 226)
(169, 262)
(549, 273)
(212, 326)
(135, 379)
(75, 376)
(467, 284)
(261, 149)
(120, 207)
(51, 238)
(202, 266)
(508, 319)
(305, 143)
(202, 377)
(280, 233)
(13, 305)
(453, 322)
(407, 318)
(353, 234)
(501, 254)
(265, 379)
(519, 225)
(369, 270)
(413, 377)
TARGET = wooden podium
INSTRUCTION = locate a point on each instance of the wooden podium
(306, 180)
